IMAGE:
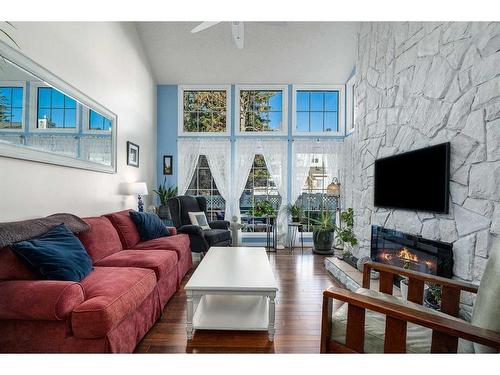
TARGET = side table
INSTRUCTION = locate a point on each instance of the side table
(292, 233)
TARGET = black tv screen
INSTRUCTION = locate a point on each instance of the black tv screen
(415, 180)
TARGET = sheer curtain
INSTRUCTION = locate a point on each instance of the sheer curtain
(332, 151)
(275, 154)
(189, 152)
(218, 155)
(302, 152)
(244, 156)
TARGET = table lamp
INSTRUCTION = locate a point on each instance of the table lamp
(139, 189)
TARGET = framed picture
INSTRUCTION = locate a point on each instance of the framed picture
(132, 154)
(167, 164)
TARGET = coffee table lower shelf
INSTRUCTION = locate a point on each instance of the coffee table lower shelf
(232, 312)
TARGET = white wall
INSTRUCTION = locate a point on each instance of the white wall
(107, 63)
(419, 84)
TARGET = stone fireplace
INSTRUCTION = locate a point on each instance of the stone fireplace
(411, 252)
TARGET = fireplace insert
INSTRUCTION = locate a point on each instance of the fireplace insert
(411, 252)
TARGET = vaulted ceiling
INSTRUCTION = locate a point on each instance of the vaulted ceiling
(274, 52)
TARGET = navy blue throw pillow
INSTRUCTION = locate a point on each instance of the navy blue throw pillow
(149, 225)
(55, 255)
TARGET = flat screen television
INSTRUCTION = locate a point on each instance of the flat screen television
(415, 180)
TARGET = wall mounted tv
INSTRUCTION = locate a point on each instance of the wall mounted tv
(415, 180)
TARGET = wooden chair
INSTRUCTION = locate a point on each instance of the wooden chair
(371, 321)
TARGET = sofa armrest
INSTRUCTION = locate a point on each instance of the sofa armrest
(191, 229)
(39, 299)
(219, 224)
(172, 230)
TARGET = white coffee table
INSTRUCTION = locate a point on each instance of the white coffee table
(233, 288)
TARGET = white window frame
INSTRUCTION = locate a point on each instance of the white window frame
(22, 85)
(350, 105)
(86, 122)
(33, 108)
(180, 109)
(284, 109)
(341, 110)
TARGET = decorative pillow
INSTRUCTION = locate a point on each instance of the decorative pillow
(55, 255)
(199, 218)
(149, 225)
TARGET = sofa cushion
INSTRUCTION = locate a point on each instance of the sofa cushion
(111, 294)
(215, 236)
(125, 227)
(162, 262)
(55, 255)
(178, 243)
(149, 225)
(11, 267)
(101, 240)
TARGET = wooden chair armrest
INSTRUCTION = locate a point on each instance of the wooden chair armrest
(450, 283)
(399, 310)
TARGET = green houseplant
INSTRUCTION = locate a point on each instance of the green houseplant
(263, 208)
(324, 232)
(295, 212)
(164, 194)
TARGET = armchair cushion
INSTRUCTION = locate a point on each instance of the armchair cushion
(418, 338)
(199, 218)
(191, 230)
(39, 299)
(215, 236)
(219, 224)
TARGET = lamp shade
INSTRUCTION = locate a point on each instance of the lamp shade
(137, 188)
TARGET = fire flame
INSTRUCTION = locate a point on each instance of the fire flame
(407, 255)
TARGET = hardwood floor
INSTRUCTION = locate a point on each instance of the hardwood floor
(301, 279)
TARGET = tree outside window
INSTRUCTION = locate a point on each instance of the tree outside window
(204, 111)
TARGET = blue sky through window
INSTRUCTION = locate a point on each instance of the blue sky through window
(317, 111)
(98, 122)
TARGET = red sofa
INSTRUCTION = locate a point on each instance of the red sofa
(110, 310)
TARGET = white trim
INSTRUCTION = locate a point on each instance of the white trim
(350, 105)
(341, 104)
(32, 68)
(180, 110)
(21, 84)
(284, 109)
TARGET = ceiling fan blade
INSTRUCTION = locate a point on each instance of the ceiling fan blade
(238, 34)
(204, 25)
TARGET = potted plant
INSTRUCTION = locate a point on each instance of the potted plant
(345, 235)
(164, 194)
(263, 208)
(295, 212)
(323, 233)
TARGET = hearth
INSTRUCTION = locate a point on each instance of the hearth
(411, 252)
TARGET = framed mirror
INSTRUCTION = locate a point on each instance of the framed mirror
(45, 119)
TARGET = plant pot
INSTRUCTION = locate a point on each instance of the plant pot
(338, 252)
(164, 213)
(295, 219)
(323, 242)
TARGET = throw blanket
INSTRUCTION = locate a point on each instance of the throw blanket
(16, 231)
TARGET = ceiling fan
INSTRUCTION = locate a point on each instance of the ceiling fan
(237, 29)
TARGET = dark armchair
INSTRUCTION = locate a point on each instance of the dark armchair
(201, 240)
